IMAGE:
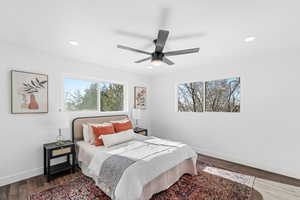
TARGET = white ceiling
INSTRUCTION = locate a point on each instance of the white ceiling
(220, 27)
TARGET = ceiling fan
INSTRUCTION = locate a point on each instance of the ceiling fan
(158, 56)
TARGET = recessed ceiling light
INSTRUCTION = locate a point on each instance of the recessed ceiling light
(74, 43)
(250, 39)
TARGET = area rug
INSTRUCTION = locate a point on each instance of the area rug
(211, 183)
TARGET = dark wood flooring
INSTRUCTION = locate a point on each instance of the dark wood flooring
(243, 169)
(21, 189)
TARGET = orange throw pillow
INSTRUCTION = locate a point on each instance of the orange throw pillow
(101, 130)
(122, 126)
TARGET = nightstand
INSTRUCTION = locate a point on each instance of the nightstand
(141, 131)
(53, 150)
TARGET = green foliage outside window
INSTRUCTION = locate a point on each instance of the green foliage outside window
(111, 98)
(88, 96)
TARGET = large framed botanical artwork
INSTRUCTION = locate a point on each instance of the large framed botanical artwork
(140, 97)
(29, 92)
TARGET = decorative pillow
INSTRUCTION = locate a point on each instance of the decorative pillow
(91, 131)
(117, 138)
(119, 127)
(99, 131)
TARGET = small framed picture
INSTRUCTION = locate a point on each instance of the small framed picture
(29, 92)
(140, 98)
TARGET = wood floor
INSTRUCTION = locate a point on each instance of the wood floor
(267, 186)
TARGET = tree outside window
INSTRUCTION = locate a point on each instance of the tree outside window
(80, 95)
(190, 97)
(222, 95)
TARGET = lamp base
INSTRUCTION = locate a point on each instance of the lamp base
(136, 123)
(59, 143)
(59, 138)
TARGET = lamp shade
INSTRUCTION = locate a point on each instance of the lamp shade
(59, 120)
(136, 114)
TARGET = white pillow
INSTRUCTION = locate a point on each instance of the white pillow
(91, 132)
(86, 134)
(117, 138)
(120, 121)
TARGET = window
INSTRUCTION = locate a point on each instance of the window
(222, 95)
(216, 96)
(190, 97)
(80, 95)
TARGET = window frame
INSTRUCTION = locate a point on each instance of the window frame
(95, 80)
(204, 94)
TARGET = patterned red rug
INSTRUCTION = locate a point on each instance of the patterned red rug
(210, 184)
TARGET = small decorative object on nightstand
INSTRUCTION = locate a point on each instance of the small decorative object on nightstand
(54, 150)
(141, 131)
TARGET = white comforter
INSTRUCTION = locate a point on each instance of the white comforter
(155, 156)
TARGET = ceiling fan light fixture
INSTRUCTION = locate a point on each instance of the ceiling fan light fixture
(156, 62)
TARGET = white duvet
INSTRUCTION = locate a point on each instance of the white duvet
(155, 156)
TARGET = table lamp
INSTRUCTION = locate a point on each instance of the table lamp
(60, 121)
(136, 115)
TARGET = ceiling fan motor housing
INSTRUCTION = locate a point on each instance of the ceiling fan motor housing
(157, 56)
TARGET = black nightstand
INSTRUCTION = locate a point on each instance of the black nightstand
(141, 131)
(52, 150)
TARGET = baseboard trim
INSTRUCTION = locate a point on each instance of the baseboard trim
(242, 162)
(20, 176)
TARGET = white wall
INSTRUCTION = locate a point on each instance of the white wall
(22, 136)
(265, 134)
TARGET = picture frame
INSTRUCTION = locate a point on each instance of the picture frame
(140, 98)
(29, 93)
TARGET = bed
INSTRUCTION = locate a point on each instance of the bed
(134, 170)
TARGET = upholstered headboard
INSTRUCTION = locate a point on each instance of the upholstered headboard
(77, 133)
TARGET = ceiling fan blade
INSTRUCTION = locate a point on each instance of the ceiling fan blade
(161, 40)
(143, 60)
(181, 52)
(166, 60)
(151, 45)
(133, 49)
